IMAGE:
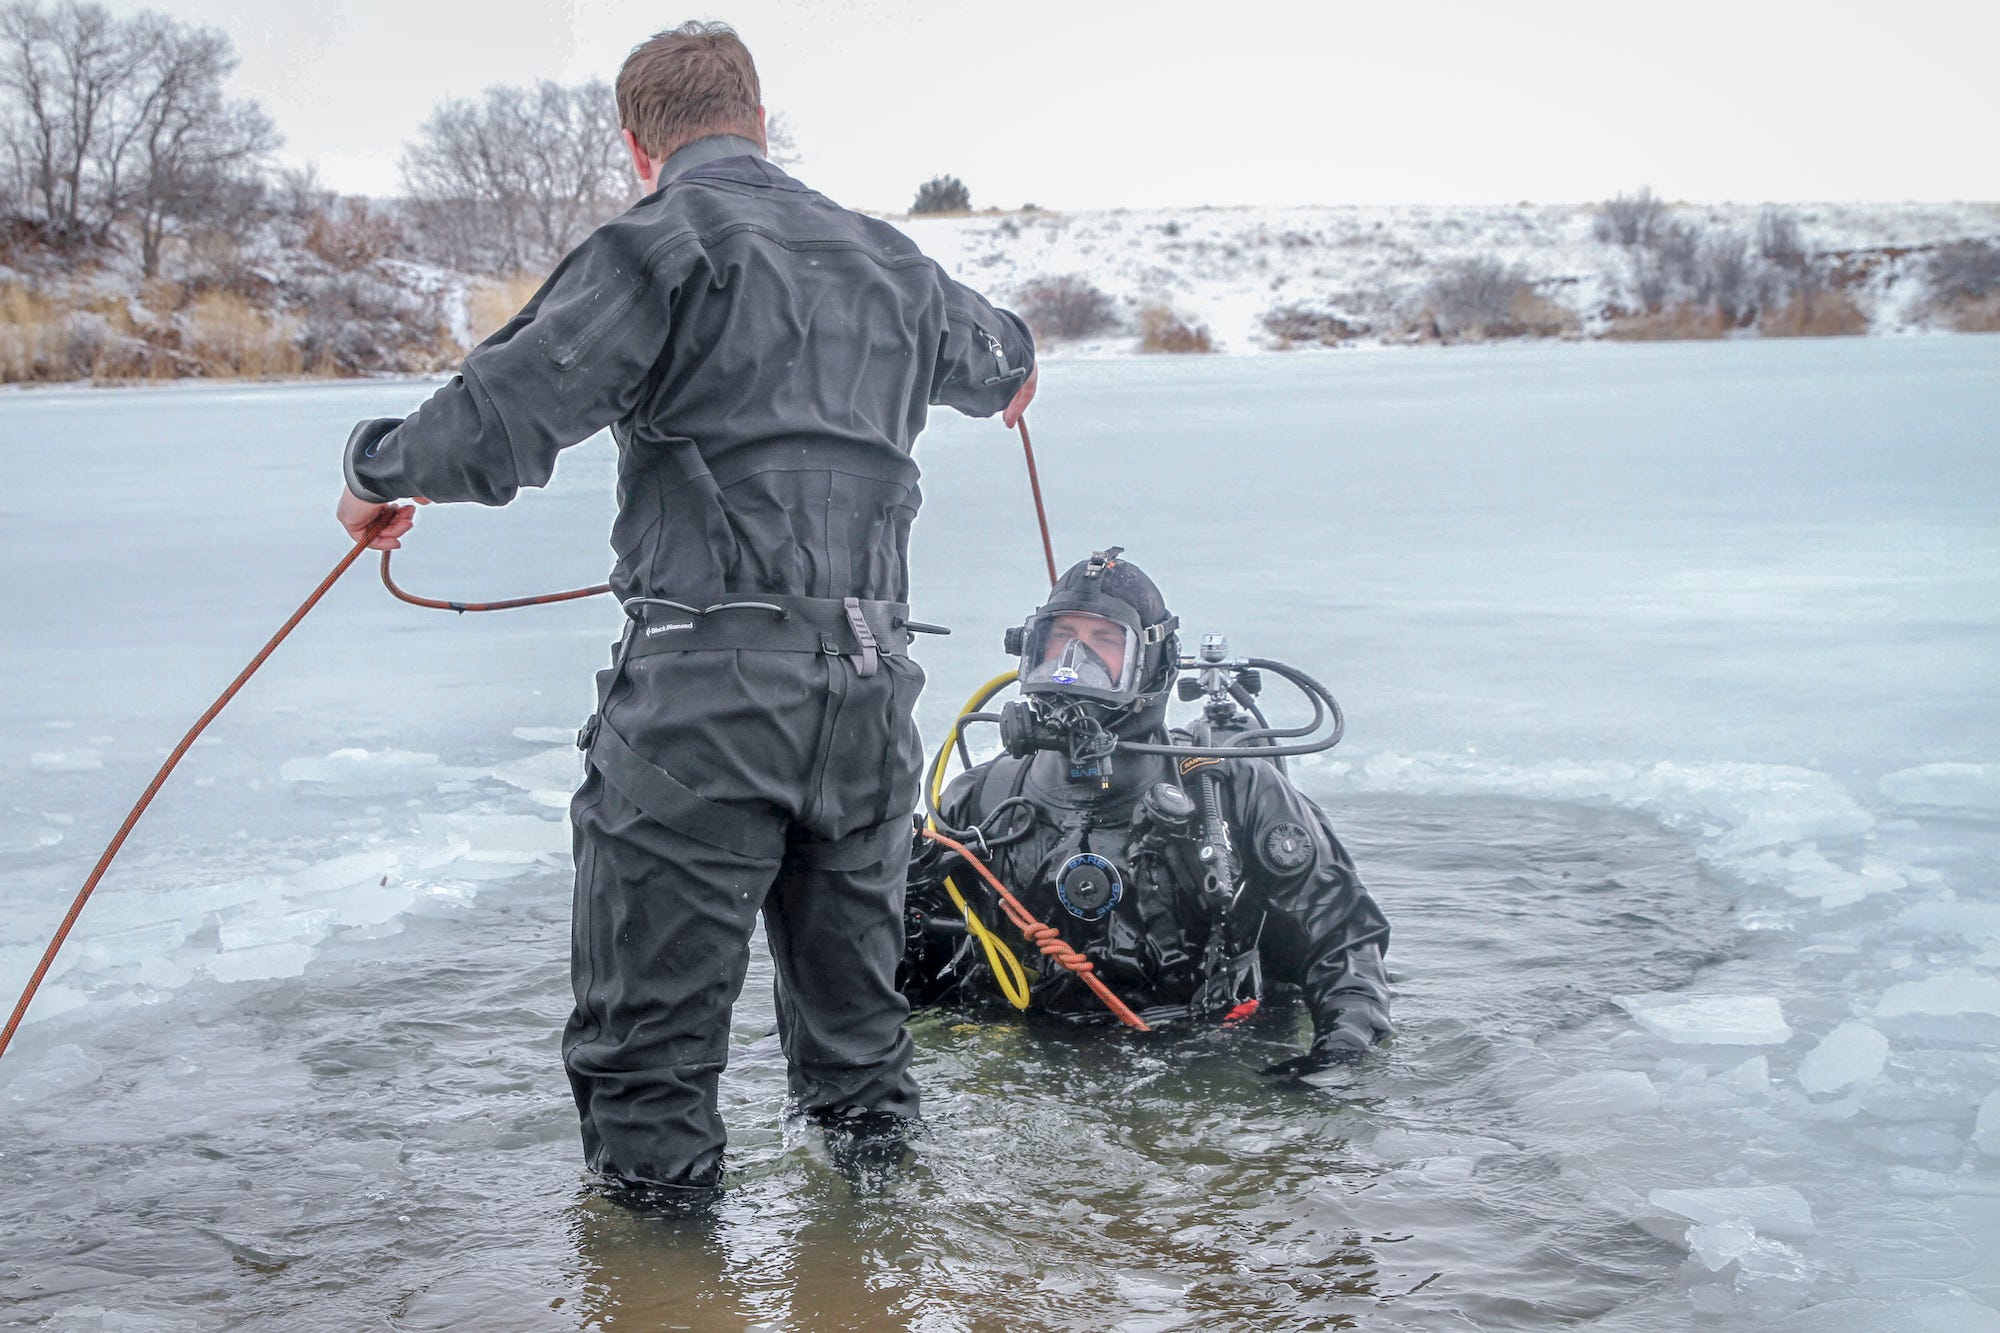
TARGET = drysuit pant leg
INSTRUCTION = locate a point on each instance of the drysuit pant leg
(660, 941)
(834, 921)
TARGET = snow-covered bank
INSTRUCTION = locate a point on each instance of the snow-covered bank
(298, 296)
(1365, 270)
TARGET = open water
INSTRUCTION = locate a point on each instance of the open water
(1673, 677)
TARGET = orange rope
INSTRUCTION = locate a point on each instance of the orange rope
(1041, 515)
(462, 607)
(159, 778)
(1044, 937)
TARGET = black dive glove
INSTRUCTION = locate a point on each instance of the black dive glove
(1339, 1045)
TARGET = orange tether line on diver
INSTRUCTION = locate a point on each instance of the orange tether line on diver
(159, 778)
(1044, 937)
(1035, 484)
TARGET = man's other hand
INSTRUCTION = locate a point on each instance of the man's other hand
(1024, 395)
(358, 516)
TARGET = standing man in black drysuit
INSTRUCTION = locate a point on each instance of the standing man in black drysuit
(1111, 848)
(765, 360)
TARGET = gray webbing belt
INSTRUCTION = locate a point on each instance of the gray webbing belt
(834, 626)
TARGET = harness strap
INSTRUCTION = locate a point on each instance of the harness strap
(850, 627)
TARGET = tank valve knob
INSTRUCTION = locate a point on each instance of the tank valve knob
(1188, 688)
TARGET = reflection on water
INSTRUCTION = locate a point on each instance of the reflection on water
(390, 1138)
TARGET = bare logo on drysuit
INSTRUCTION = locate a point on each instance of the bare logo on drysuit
(1190, 765)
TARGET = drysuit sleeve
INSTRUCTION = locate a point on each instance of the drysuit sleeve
(1324, 932)
(575, 359)
(984, 354)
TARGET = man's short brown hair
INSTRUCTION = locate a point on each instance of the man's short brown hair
(687, 82)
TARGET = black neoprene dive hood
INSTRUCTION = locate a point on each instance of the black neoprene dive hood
(1104, 635)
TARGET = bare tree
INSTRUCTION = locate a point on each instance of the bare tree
(109, 120)
(63, 68)
(1631, 219)
(192, 158)
(781, 143)
(513, 181)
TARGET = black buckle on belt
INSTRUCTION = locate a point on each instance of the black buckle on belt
(869, 661)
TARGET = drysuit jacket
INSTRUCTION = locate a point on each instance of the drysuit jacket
(765, 360)
(1313, 924)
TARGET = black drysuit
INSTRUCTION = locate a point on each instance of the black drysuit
(1311, 922)
(765, 360)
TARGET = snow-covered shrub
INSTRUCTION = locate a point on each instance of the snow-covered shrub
(1067, 306)
(1476, 299)
(1964, 269)
(1630, 219)
(363, 323)
(942, 194)
(349, 235)
(1964, 282)
(1161, 330)
(1290, 325)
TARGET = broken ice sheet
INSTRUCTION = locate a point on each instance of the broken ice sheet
(1710, 1020)
(1775, 1210)
(1596, 1095)
(1851, 1054)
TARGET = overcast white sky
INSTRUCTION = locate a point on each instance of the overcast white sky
(1085, 103)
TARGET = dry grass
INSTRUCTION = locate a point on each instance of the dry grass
(1161, 330)
(44, 340)
(1674, 324)
(491, 304)
(1972, 314)
(1830, 314)
(228, 336)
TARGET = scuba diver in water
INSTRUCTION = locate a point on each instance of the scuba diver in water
(1184, 865)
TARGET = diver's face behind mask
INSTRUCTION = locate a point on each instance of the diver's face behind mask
(1081, 654)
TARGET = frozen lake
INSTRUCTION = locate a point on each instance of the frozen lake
(1673, 685)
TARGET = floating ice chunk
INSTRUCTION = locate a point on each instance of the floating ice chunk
(1752, 1078)
(511, 837)
(551, 770)
(1957, 1006)
(342, 872)
(66, 761)
(1716, 1245)
(1407, 1145)
(380, 772)
(272, 923)
(1963, 791)
(1806, 873)
(58, 1070)
(1710, 1020)
(1986, 1127)
(1851, 1054)
(1975, 923)
(547, 735)
(1595, 1096)
(1775, 1210)
(1911, 1140)
(261, 962)
(1928, 1312)
(135, 944)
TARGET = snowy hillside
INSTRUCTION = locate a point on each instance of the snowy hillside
(339, 289)
(1231, 268)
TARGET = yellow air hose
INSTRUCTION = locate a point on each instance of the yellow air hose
(1008, 973)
